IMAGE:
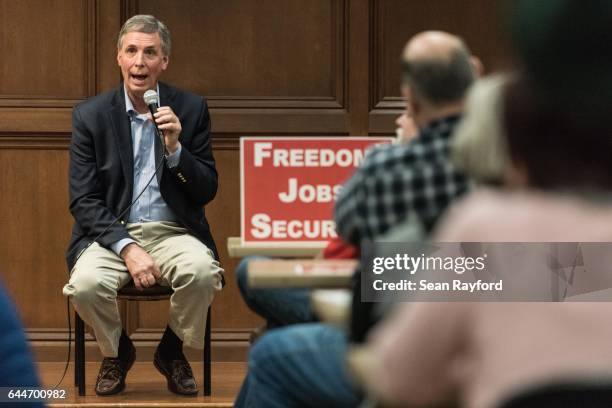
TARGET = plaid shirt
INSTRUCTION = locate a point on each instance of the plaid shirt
(397, 180)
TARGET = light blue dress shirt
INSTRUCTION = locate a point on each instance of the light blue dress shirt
(150, 206)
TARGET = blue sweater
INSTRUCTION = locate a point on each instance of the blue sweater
(16, 364)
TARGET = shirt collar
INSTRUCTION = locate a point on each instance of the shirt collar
(129, 106)
(450, 119)
(440, 125)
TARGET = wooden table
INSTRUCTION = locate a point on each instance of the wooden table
(237, 249)
(301, 273)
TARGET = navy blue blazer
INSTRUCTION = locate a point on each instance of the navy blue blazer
(102, 165)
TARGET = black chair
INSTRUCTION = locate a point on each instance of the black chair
(581, 394)
(130, 293)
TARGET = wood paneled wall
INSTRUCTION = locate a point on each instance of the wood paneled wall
(267, 67)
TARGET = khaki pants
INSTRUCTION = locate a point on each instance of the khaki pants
(186, 265)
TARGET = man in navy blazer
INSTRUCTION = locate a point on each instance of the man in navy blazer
(137, 201)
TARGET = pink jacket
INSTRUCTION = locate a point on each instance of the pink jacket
(482, 353)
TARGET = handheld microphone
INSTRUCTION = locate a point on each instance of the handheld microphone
(152, 101)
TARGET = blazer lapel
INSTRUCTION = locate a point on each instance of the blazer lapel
(167, 96)
(123, 136)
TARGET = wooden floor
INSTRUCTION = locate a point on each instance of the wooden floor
(146, 387)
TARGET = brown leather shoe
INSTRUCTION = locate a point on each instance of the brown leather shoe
(178, 375)
(111, 378)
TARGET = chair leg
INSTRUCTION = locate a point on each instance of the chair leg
(79, 353)
(76, 356)
(207, 362)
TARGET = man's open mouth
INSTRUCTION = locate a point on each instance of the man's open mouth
(141, 77)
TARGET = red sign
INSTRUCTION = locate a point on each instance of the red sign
(289, 185)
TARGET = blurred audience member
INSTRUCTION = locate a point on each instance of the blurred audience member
(565, 48)
(16, 364)
(303, 365)
(414, 178)
(479, 146)
(559, 142)
(481, 354)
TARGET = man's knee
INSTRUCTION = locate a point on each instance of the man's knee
(281, 355)
(86, 288)
(287, 341)
(241, 275)
(202, 272)
(264, 350)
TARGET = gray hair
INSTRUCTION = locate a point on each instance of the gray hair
(148, 24)
(480, 147)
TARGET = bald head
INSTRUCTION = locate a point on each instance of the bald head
(432, 45)
(437, 68)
